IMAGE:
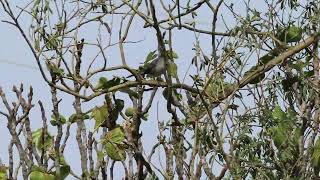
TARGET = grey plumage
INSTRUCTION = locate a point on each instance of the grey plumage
(155, 68)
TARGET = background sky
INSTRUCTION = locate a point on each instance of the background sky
(17, 66)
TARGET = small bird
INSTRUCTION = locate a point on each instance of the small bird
(155, 68)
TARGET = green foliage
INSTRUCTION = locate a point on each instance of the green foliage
(47, 7)
(316, 156)
(42, 141)
(284, 125)
(291, 3)
(54, 69)
(64, 171)
(100, 114)
(76, 117)
(129, 112)
(105, 84)
(217, 86)
(145, 116)
(59, 27)
(152, 177)
(265, 59)
(52, 41)
(151, 56)
(113, 144)
(3, 172)
(276, 146)
(172, 69)
(37, 173)
(172, 55)
(54, 121)
(119, 104)
(290, 34)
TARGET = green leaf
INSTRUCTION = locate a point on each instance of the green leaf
(172, 69)
(54, 69)
(265, 59)
(42, 142)
(100, 155)
(299, 65)
(172, 55)
(193, 14)
(114, 152)
(316, 155)
(113, 82)
(99, 114)
(62, 119)
(47, 7)
(35, 11)
(62, 161)
(278, 114)
(152, 55)
(52, 41)
(308, 73)
(296, 136)
(53, 122)
(37, 45)
(37, 173)
(145, 116)
(130, 92)
(119, 104)
(76, 117)
(104, 8)
(129, 112)
(60, 26)
(113, 144)
(290, 34)
(3, 172)
(102, 82)
(165, 93)
(105, 84)
(279, 136)
(37, 2)
(152, 176)
(206, 60)
(64, 171)
(294, 34)
(217, 86)
(115, 136)
(37, 168)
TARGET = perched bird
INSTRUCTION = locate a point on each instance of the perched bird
(155, 68)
